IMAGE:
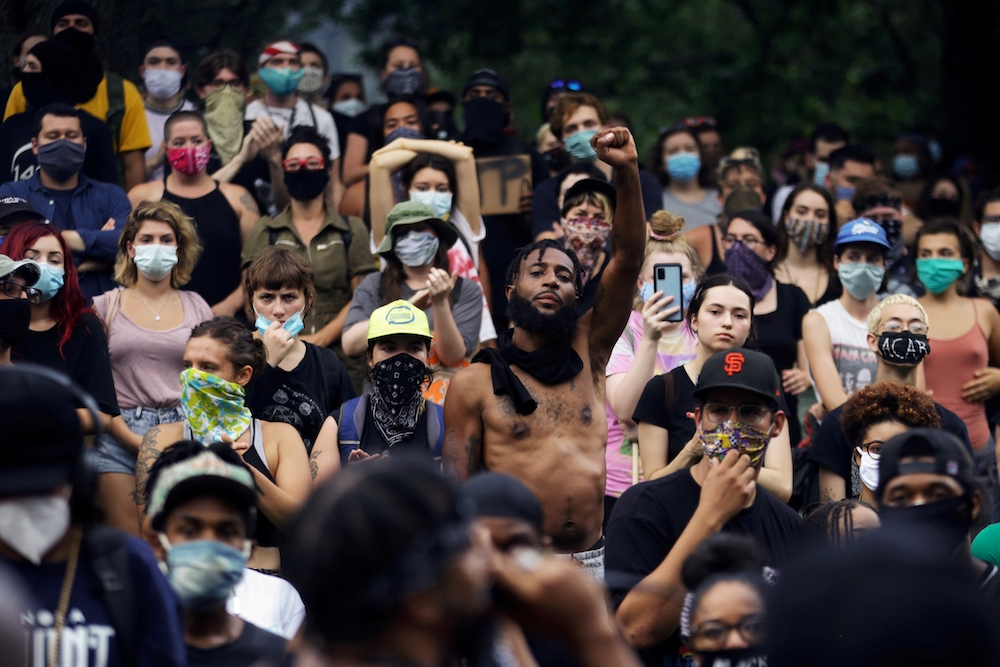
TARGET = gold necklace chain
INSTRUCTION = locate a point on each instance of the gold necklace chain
(64, 595)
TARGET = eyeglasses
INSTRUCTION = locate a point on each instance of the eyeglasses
(874, 449)
(896, 326)
(14, 290)
(235, 85)
(309, 164)
(563, 84)
(711, 635)
(696, 122)
(750, 242)
(991, 219)
(751, 414)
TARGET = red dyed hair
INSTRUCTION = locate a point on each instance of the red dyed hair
(68, 304)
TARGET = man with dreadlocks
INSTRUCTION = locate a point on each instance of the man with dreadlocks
(534, 407)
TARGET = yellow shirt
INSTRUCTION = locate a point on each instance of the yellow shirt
(134, 131)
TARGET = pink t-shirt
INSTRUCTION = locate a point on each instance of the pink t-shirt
(147, 364)
(675, 348)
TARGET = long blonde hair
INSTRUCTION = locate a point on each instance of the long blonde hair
(188, 248)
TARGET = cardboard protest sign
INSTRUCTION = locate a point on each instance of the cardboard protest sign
(503, 181)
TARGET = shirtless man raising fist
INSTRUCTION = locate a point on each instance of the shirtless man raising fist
(535, 408)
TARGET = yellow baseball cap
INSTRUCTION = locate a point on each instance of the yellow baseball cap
(398, 318)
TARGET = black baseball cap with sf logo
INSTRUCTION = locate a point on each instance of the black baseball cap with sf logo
(740, 368)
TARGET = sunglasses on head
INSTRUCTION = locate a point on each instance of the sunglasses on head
(697, 122)
(564, 84)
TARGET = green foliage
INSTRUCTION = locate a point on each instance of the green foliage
(767, 69)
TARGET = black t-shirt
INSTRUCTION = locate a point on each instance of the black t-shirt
(830, 448)
(680, 428)
(650, 517)
(253, 645)
(304, 396)
(18, 162)
(84, 359)
(778, 336)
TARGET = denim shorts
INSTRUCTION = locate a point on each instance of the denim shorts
(111, 456)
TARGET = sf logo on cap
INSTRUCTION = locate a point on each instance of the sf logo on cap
(734, 363)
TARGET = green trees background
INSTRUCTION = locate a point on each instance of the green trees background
(767, 69)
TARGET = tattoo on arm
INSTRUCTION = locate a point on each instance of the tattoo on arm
(313, 465)
(826, 495)
(249, 203)
(149, 452)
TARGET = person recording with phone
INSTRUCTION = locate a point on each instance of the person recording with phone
(657, 525)
(751, 254)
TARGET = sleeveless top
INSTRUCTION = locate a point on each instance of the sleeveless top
(266, 533)
(218, 271)
(952, 364)
(856, 364)
(716, 266)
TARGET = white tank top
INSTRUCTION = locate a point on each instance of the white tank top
(855, 363)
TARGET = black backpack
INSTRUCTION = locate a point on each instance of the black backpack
(106, 551)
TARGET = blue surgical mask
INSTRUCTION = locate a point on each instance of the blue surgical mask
(646, 292)
(905, 166)
(845, 192)
(860, 279)
(283, 81)
(352, 107)
(155, 260)
(403, 132)
(687, 291)
(578, 145)
(50, 281)
(292, 325)
(819, 176)
(416, 248)
(683, 167)
(204, 572)
(439, 202)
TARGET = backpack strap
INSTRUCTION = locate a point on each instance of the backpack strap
(114, 118)
(272, 236)
(435, 428)
(108, 555)
(348, 433)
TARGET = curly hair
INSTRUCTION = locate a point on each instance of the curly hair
(887, 402)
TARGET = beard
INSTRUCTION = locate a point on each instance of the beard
(560, 324)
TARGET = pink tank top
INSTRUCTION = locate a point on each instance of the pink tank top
(950, 365)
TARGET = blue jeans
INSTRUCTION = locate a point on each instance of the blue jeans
(111, 456)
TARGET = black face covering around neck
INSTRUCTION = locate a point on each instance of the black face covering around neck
(485, 120)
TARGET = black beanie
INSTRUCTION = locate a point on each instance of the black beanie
(76, 7)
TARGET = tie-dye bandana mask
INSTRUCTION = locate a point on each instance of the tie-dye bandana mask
(736, 435)
(586, 237)
(213, 406)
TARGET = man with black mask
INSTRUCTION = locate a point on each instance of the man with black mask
(59, 80)
(486, 105)
(16, 296)
(927, 481)
(90, 214)
(107, 96)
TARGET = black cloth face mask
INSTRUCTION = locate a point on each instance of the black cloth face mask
(903, 347)
(485, 120)
(305, 185)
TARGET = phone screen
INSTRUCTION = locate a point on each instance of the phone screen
(668, 278)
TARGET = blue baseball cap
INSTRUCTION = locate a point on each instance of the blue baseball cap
(862, 230)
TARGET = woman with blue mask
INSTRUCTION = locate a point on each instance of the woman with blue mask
(721, 317)
(751, 247)
(962, 373)
(836, 333)
(650, 345)
(441, 174)
(63, 334)
(415, 251)
(148, 324)
(676, 161)
(301, 382)
(220, 359)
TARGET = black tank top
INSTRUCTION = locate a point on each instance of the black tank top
(267, 534)
(218, 270)
(716, 265)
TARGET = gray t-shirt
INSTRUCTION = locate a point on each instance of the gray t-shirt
(705, 212)
(467, 309)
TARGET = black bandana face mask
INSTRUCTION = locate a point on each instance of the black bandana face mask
(903, 347)
(396, 396)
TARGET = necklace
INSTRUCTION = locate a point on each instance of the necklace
(155, 312)
(64, 596)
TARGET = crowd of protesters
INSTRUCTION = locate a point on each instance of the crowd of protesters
(287, 377)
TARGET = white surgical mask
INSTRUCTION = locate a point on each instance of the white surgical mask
(162, 83)
(868, 469)
(350, 107)
(989, 234)
(33, 525)
(440, 202)
(155, 261)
